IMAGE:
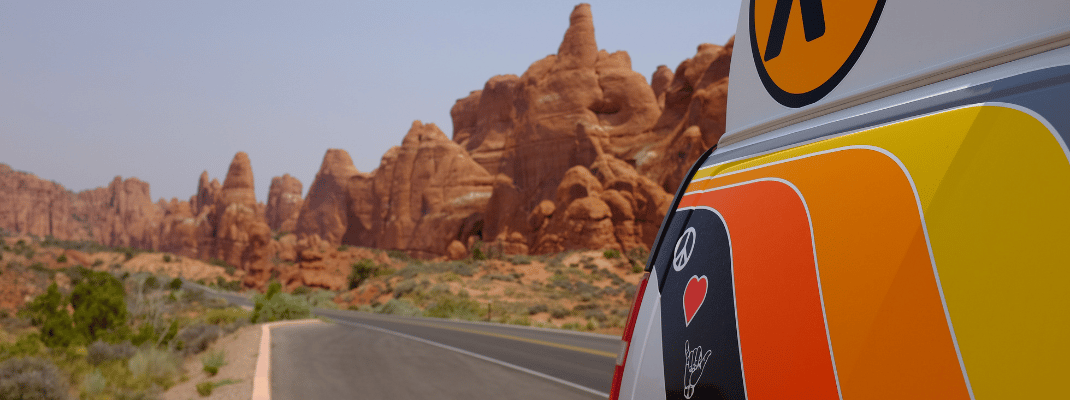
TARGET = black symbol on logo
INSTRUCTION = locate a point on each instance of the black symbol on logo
(813, 18)
(684, 246)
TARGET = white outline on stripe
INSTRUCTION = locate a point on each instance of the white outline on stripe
(817, 271)
(735, 311)
(479, 356)
(1036, 116)
(924, 227)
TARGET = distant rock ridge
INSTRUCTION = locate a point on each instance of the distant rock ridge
(578, 152)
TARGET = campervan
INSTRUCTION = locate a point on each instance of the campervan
(886, 216)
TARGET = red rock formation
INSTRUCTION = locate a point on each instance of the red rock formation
(30, 205)
(284, 203)
(178, 229)
(483, 121)
(569, 108)
(693, 118)
(242, 236)
(325, 210)
(122, 214)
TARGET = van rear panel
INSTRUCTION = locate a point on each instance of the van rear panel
(909, 246)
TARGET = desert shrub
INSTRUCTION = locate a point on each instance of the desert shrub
(175, 284)
(224, 316)
(450, 307)
(321, 299)
(167, 258)
(405, 287)
(154, 366)
(94, 383)
(48, 312)
(398, 307)
(31, 378)
(205, 389)
(500, 277)
(212, 361)
(230, 269)
(595, 314)
(558, 312)
(519, 259)
(301, 290)
(275, 306)
(538, 308)
(100, 352)
(196, 338)
(629, 290)
(611, 253)
(361, 271)
(26, 346)
(62, 258)
(344, 247)
(99, 307)
(400, 255)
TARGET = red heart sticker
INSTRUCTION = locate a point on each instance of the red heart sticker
(694, 295)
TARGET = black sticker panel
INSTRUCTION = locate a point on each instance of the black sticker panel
(698, 317)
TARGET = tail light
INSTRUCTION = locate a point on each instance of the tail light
(626, 339)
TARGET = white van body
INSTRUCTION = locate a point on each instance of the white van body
(887, 216)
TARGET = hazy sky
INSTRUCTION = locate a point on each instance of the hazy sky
(163, 90)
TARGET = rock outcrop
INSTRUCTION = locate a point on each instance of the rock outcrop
(33, 206)
(122, 214)
(325, 210)
(242, 236)
(421, 197)
(284, 203)
(693, 118)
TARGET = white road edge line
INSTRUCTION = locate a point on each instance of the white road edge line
(479, 356)
(262, 378)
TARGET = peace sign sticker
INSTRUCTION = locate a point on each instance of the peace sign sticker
(682, 254)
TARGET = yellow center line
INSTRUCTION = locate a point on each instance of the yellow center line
(517, 338)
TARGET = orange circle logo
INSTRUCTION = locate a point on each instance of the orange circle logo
(803, 48)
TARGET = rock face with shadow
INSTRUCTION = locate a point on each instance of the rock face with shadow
(422, 196)
(284, 203)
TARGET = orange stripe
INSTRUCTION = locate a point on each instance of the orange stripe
(781, 327)
(887, 325)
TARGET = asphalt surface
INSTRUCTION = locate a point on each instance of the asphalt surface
(367, 355)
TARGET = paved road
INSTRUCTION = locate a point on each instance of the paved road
(427, 357)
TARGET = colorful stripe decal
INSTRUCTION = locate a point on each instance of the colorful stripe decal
(940, 245)
(783, 338)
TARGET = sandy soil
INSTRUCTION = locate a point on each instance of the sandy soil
(241, 349)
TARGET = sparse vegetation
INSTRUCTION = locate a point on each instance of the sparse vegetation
(274, 305)
(212, 361)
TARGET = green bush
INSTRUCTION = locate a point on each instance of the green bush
(225, 316)
(31, 378)
(98, 262)
(301, 290)
(48, 311)
(62, 258)
(213, 361)
(167, 258)
(454, 308)
(611, 253)
(275, 306)
(398, 307)
(361, 271)
(99, 307)
(205, 389)
(175, 284)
